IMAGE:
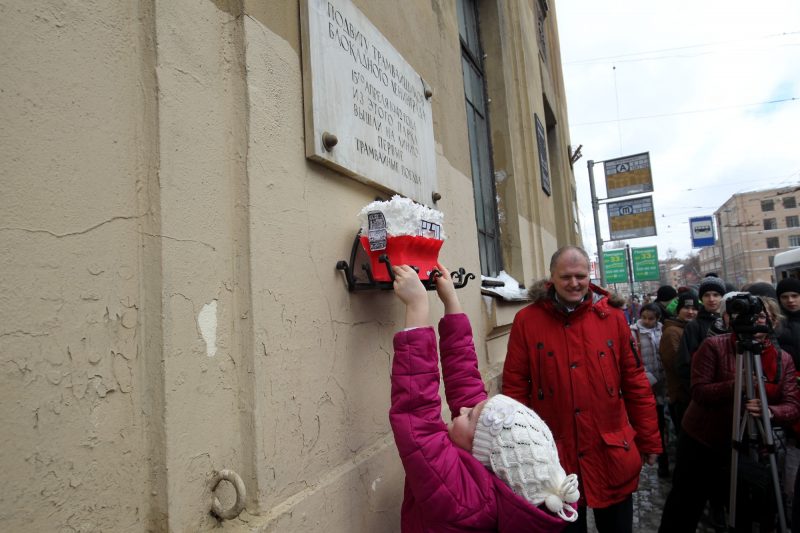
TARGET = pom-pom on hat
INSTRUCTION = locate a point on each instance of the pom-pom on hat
(666, 293)
(711, 283)
(788, 285)
(515, 443)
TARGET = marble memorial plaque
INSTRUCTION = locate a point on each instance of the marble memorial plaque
(358, 88)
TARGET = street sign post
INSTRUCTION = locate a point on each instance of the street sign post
(702, 229)
(616, 266)
(645, 264)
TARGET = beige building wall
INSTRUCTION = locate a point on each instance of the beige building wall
(711, 259)
(754, 226)
(171, 303)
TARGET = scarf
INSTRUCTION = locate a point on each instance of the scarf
(771, 367)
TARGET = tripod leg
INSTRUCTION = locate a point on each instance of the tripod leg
(770, 441)
(736, 436)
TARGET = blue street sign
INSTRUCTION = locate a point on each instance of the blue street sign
(702, 229)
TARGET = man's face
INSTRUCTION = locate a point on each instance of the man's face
(711, 301)
(790, 301)
(571, 277)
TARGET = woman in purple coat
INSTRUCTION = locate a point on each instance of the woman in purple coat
(495, 466)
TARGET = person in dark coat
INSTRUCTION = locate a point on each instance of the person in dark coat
(788, 293)
(707, 324)
(704, 445)
(688, 307)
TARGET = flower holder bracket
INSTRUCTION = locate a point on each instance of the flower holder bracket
(366, 281)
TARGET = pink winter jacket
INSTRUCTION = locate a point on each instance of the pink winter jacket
(446, 488)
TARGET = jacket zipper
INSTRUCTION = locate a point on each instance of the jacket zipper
(610, 344)
(539, 348)
(609, 389)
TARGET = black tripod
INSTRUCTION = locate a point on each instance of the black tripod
(759, 430)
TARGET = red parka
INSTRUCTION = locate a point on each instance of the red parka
(579, 373)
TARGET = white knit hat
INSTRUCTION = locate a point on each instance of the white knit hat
(514, 443)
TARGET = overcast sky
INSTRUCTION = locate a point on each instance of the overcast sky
(711, 89)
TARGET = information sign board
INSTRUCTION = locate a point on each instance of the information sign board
(615, 264)
(628, 175)
(628, 219)
(702, 229)
(645, 264)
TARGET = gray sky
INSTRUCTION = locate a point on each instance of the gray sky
(711, 89)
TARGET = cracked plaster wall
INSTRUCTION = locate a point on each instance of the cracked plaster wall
(153, 165)
(74, 161)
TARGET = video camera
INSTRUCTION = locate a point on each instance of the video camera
(743, 309)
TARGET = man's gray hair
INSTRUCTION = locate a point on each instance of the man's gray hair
(564, 249)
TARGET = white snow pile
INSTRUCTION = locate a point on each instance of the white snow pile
(511, 291)
(404, 217)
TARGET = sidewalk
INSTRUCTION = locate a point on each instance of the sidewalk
(648, 503)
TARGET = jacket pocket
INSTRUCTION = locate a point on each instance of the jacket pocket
(624, 462)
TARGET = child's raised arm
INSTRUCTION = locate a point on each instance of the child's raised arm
(409, 289)
(447, 292)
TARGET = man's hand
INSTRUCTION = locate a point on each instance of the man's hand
(650, 458)
(409, 289)
(753, 407)
(447, 291)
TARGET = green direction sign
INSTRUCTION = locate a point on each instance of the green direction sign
(616, 266)
(645, 264)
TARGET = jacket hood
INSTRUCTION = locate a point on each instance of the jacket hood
(543, 289)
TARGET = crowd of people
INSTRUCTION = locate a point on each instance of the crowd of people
(593, 388)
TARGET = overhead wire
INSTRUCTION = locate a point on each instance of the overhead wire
(676, 48)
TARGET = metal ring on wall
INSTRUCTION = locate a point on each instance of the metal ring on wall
(241, 494)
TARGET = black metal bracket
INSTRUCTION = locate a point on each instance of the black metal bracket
(359, 283)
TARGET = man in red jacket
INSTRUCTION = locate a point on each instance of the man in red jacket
(571, 359)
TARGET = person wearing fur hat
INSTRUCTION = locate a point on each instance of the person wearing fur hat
(495, 467)
(704, 445)
(686, 310)
(571, 359)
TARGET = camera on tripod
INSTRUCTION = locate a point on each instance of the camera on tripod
(744, 310)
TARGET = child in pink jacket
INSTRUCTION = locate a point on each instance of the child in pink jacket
(496, 463)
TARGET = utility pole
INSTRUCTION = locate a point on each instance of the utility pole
(629, 264)
(722, 247)
(596, 212)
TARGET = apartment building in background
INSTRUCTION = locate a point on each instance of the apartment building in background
(752, 227)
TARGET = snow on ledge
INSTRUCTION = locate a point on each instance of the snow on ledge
(511, 291)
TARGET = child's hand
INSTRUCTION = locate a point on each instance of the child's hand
(447, 291)
(409, 289)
